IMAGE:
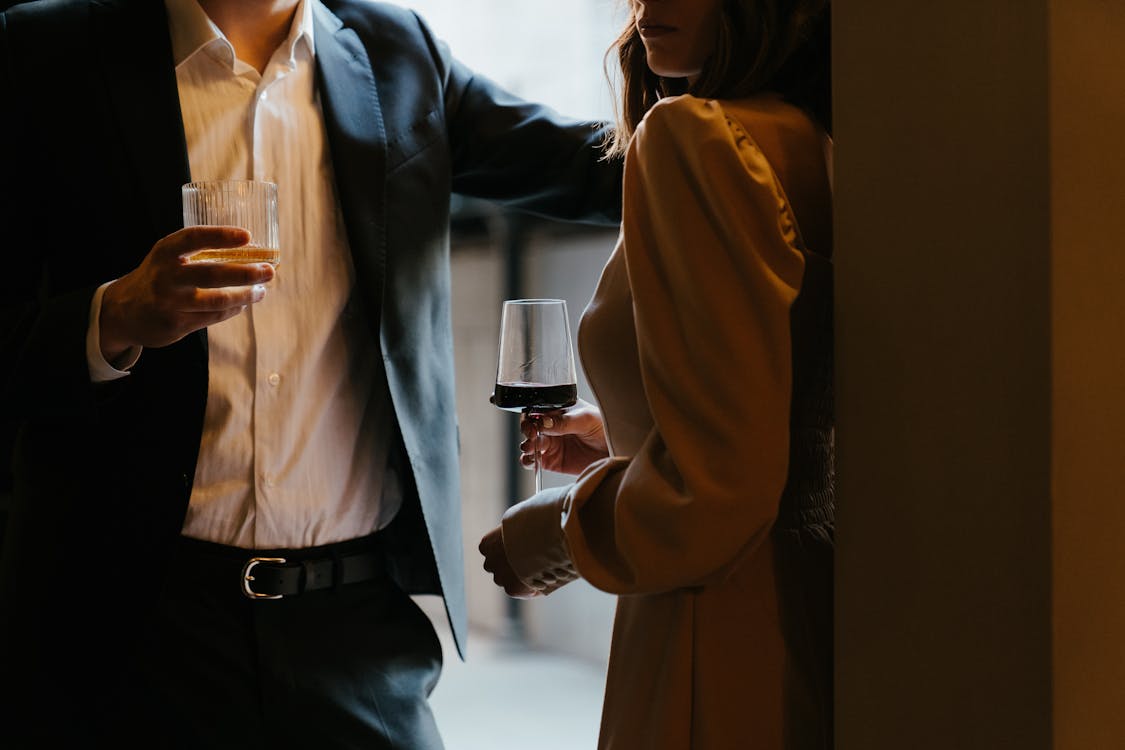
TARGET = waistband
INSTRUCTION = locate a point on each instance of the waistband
(268, 574)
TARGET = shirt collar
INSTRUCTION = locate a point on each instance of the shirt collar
(192, 31)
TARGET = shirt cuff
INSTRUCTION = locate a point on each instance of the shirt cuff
(100, 370)
(534, 541)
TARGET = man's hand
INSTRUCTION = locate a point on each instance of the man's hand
(496, 563)
(569, 439)
(166, 297)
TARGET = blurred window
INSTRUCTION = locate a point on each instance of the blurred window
(550, 51)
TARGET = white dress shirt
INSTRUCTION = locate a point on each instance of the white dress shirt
(295, 434)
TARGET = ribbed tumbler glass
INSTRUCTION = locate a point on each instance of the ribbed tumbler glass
(249, 204)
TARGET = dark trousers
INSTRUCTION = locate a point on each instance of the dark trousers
(350, 667)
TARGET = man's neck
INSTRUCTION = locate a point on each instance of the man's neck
(255, 28)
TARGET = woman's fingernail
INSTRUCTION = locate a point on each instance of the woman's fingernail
(548, 423)
(259, 292)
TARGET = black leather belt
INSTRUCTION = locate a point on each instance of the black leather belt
(276, 577)
(275, 574)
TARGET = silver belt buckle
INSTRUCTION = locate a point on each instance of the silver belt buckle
(248, 568)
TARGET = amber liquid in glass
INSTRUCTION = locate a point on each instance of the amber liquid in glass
(245, 254)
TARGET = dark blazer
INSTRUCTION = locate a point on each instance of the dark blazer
(93, 158)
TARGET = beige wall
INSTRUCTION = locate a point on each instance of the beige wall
(1087, 78)
(981, 378)
(944, 375)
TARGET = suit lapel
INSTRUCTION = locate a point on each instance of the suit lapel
(357, 141)
(136, 55)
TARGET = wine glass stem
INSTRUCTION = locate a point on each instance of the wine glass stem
(538, 465)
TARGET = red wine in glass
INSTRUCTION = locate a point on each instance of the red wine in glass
(534, 396)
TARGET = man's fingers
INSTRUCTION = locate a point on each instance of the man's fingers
(190, 239)
(218, 275)
(219, 300)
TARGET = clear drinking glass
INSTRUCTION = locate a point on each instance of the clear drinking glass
(535, 366)
(249, 204)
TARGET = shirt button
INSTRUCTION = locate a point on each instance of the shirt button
(268, 480)
(274, 379)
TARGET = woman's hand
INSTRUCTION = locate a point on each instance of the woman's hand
(569, 439)
(496, 562)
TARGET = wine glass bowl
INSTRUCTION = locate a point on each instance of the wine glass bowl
(535, 365)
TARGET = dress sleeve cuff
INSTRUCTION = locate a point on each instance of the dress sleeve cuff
(100, 370)
(534, 542)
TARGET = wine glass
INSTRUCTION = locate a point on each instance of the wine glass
(535, 366)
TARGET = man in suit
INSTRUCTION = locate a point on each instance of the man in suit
(229, 477)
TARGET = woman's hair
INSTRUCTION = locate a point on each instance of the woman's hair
(781, 46)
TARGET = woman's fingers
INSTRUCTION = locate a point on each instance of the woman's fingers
(583, 419)
(555, 425)
(527, 451)
(544, 424)
(568, 440)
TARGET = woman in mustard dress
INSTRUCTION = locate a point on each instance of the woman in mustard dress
(704, 497)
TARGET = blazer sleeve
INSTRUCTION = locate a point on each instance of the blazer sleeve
(523, 155)
(713, 266)
(43, 369)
